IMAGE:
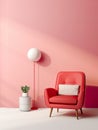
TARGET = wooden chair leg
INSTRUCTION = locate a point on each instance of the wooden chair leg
(77, 114)
(51, 112)
(81, 110)
(57, 109)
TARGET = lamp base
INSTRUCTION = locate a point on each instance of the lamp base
(34, 108)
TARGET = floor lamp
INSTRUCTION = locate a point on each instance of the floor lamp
(34, 55)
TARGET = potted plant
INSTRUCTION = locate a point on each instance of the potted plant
(25, 90)
(25, 100)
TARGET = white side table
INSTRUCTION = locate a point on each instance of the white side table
(25, 103)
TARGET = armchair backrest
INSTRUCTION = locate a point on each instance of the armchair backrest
(71, 77)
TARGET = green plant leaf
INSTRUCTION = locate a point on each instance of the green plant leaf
(25, 88)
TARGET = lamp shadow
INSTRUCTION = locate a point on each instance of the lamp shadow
(45, 59)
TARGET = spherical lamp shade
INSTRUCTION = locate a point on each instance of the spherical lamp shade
(34, 54)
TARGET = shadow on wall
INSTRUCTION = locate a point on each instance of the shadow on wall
(45, 59)
(91, 97)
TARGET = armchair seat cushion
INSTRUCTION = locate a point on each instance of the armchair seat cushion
(64, 99)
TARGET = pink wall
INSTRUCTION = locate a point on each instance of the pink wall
(66, 31)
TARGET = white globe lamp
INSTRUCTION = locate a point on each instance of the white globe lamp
(34, 54)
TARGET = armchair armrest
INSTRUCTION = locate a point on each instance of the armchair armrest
(48, 93)
(81, 99)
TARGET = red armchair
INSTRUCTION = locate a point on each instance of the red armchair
(54, 99)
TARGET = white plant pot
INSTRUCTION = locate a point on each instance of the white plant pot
(24, 94)
(25, 103)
